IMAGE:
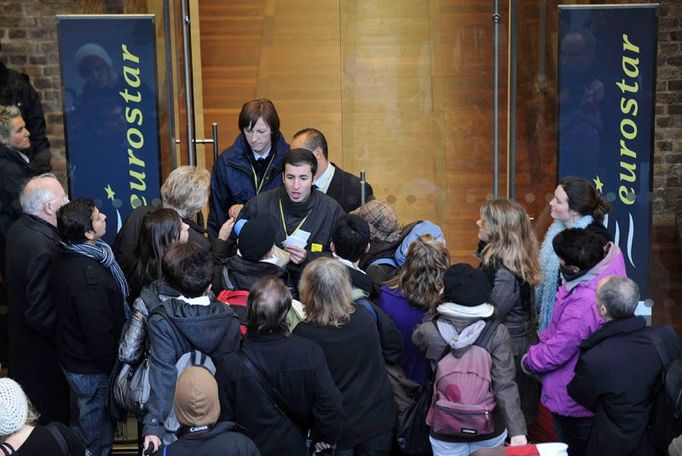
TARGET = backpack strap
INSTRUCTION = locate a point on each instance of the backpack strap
(663, 351)
(227, 282)
(364, 302)
(57, 434)
(487, 334)
(660, 347)
(7, 449)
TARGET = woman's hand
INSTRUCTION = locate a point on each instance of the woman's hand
(234, 210)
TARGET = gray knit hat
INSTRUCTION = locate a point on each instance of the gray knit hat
(13, 407)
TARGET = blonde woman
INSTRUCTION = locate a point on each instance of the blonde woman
(19, 429)
(349, 338)
(413, 291)
(509, 257)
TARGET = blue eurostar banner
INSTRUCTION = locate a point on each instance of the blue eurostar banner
(607, 83)
(108, 69)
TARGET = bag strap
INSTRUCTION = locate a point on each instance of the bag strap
(7, 449)
(660, 346)
(364, 302)
(275, 396)
(226, 279)
(57, 434)
(487, 334)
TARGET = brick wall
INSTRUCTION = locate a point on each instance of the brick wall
(667, 197)
(28, 31)
(29, 43)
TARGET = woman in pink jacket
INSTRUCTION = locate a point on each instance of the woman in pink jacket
(583, 263)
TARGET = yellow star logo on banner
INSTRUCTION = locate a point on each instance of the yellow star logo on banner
(110, 192)
(599, 185)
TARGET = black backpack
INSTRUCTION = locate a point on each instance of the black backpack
(665, 422)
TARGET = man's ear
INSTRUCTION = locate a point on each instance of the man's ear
(90, 235)
(332, 247)
(369, 244)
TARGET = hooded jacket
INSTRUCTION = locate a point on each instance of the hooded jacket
(175, 328)
(574, 319)
(428, 338)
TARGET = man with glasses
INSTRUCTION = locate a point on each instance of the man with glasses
(31, 244)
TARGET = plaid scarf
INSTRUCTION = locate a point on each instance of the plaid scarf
(102, 253)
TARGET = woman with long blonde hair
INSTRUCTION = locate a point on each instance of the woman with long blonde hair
(508, 251)
(349, 338)
(414, 290)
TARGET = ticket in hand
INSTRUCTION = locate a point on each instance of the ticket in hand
(298, 238)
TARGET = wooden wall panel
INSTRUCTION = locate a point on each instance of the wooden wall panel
(402, 89)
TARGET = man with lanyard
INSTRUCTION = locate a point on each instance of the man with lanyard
(344, 187)
(305, 215)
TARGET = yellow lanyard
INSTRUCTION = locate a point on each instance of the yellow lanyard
(255, 176)
(284, 223)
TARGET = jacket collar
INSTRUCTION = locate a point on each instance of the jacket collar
(614, 328)
(12, 155)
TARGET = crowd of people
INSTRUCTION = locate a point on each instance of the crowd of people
(344, 306)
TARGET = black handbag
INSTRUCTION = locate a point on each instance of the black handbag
(413, 435)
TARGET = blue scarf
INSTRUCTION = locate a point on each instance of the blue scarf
(102, 253)
(545, 292)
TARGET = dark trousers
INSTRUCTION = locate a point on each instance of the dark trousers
(378, 446)
(574, 432)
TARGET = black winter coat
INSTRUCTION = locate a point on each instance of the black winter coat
(90, 313)
(14, 172)
(243, 273)
(355, 360)
(297, 368)
(16, 89)
(345, 189)
(32, 317)
(615, 378)
(222, 440)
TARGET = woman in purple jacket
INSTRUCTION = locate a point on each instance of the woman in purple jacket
(584, 261)
(413, 291)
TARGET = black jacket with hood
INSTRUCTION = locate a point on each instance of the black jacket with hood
(175, 328)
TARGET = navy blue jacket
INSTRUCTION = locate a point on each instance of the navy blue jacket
(232, 179)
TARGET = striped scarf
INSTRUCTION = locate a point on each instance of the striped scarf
(102, 253)
(545, 292)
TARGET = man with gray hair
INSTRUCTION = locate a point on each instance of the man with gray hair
(31, 244)
(618, 371)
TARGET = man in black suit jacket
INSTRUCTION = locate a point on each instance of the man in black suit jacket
(344, 187)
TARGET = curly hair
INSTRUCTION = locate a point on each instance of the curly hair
(511, 241)
(186, 190)
(421, 277)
